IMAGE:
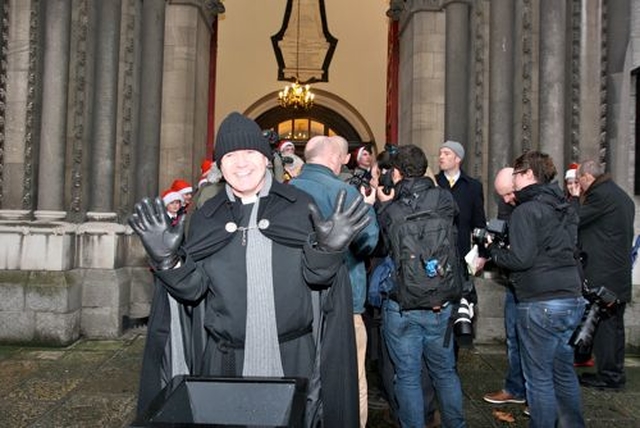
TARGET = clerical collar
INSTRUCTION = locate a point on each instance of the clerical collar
(249, 200)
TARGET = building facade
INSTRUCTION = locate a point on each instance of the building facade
(105, 102)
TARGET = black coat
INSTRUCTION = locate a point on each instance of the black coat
(467, 192)
(290, 229)
(606, 235)
(542, 242)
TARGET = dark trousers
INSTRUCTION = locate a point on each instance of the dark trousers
(608, 347)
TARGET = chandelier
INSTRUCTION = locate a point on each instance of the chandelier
(296, 96)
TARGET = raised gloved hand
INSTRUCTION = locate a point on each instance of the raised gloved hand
(161, 240)
(336, 232)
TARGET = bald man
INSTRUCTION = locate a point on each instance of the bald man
(324, 157)
(513, 390)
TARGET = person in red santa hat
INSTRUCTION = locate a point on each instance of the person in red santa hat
(173, 203)
(363, 161)
(292, 163)
(571, 184)
(185, 189)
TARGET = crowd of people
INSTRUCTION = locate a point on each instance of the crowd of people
(266, 268)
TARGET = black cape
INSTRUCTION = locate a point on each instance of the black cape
(333, 391)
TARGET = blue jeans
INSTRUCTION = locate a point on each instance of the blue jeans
(514, 381)
(553, 391)
(412, 336)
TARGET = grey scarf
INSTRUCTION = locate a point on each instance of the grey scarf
(261, 347)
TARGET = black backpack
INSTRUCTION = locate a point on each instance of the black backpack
(423, 247)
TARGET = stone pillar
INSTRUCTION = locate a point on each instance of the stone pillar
(553, 56)
(105, 102)
(51, 182)
(500, 90)
(184, 107)
(421, 77)
(618, 89)
(148, 143)
(456, 74)
(18, 86)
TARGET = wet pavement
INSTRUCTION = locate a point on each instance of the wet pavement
(94, 384)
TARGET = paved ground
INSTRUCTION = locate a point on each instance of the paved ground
(94, 383)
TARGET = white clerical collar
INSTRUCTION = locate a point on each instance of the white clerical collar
(249, 200)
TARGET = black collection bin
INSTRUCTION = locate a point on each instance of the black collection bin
(190, 401)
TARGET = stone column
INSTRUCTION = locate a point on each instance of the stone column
(618, 89)
(500, 90)
(148, 143)
(105, 101)
(421, 77)
(553, 56)
(456, 72)
(51, 182)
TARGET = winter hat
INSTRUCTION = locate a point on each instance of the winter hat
(171, 195)
(284, 144)
(357, 153)
(181, 186)
(238, 132)
(205, 166)
(455, 147)
(571, 172)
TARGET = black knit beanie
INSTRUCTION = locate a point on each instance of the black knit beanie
(238, 132)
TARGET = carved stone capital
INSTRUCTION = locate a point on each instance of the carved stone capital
(209, 9)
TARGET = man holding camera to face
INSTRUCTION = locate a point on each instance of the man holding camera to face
(547, 284)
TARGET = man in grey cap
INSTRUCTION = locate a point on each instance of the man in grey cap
(467, 192)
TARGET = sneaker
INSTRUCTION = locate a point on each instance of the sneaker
(526, 411)
(587, 363)
(502, 397)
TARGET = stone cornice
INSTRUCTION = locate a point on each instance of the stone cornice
(207, 8)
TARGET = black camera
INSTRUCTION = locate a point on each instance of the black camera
(463, 323)
(360, 178)
(386, 181)
(602, 302)
(496, 230)
(287, 160)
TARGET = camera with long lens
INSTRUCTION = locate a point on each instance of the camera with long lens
(496, 232)
(602, 302)
(463, 323)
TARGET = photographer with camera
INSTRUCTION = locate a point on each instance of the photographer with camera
(514, 388)
(544, 273)
(605, 234)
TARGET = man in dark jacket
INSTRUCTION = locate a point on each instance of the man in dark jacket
(253, 259)
(467, 192)
(544, 272)
(606, 234)
(413, 336)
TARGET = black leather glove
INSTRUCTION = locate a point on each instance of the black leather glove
(161, 240)
(337, 232)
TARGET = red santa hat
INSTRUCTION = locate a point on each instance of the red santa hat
(284, 144)
(171, 195)
(181, 186)
(571, 173)
(205, 167)
(357, 153)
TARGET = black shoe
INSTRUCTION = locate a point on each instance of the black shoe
(596, 382)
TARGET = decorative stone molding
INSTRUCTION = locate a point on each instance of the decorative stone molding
(574, 97)
(127, 126)
(604, 106)
(32, 124)
(478, 22)
(4, 48)
(527, 73)
(78, 101)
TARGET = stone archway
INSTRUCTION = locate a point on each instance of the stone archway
(328, 108)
